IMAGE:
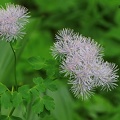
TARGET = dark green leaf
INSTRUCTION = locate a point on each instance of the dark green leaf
(15, 118)
(44, 113)
(3, 117)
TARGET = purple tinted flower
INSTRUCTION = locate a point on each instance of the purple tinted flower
(12, 21)
(81, 60)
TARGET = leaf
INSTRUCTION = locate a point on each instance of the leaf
(41, 88)
(15, 118)
(3, 117)
(37, 62)
(24, 91)
(40, 84)
(64, 103)
(38, 80)
(38, 105)
(50, 72)
(49, 102)
(34, 92)
(50, 68)
(6, 99)
(50, 85)
(3, 88)
(44, 113)
(101, 105)
(16, 99)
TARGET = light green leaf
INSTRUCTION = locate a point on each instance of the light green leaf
(41, 88)
(16, 99)
(3, 88)
(38, 80)
(34, 92)
(40, 84)
(50, 85)
(38, 105)
(15, 118)
(50, 68)
(6, 99)
(49, 102)
(24, 91)
(37, 62)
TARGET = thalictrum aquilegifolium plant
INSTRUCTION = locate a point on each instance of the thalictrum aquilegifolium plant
(13, 19)
(80, 58)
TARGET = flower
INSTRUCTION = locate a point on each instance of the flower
(12, 21)
(81, 60)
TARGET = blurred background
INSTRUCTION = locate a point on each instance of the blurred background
(98, 19)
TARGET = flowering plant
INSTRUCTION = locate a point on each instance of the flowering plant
(12, 22)
(81, 60)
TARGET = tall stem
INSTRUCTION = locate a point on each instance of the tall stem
(11, 112)
(16, 85)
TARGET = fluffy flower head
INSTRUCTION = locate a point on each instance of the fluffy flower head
(81, 60)
(12, 21)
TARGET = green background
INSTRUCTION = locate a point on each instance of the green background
(98, 19)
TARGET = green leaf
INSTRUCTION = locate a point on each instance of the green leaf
(38, 80)
(3, 117)
(50, 68)
(50, 85)
(15, 118)
(37, 62)
(38, 105)
(6, 99)
(16, 99)
(24, 91)
(41, 88)
(49, 102)
(40, 84)
(34, 92)
(50, 72)
(44, 113)
(3, 88)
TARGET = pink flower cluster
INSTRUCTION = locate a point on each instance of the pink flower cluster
(81, 60)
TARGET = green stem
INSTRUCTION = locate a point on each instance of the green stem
(0, 109)
(16, 85)
(11, 112)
